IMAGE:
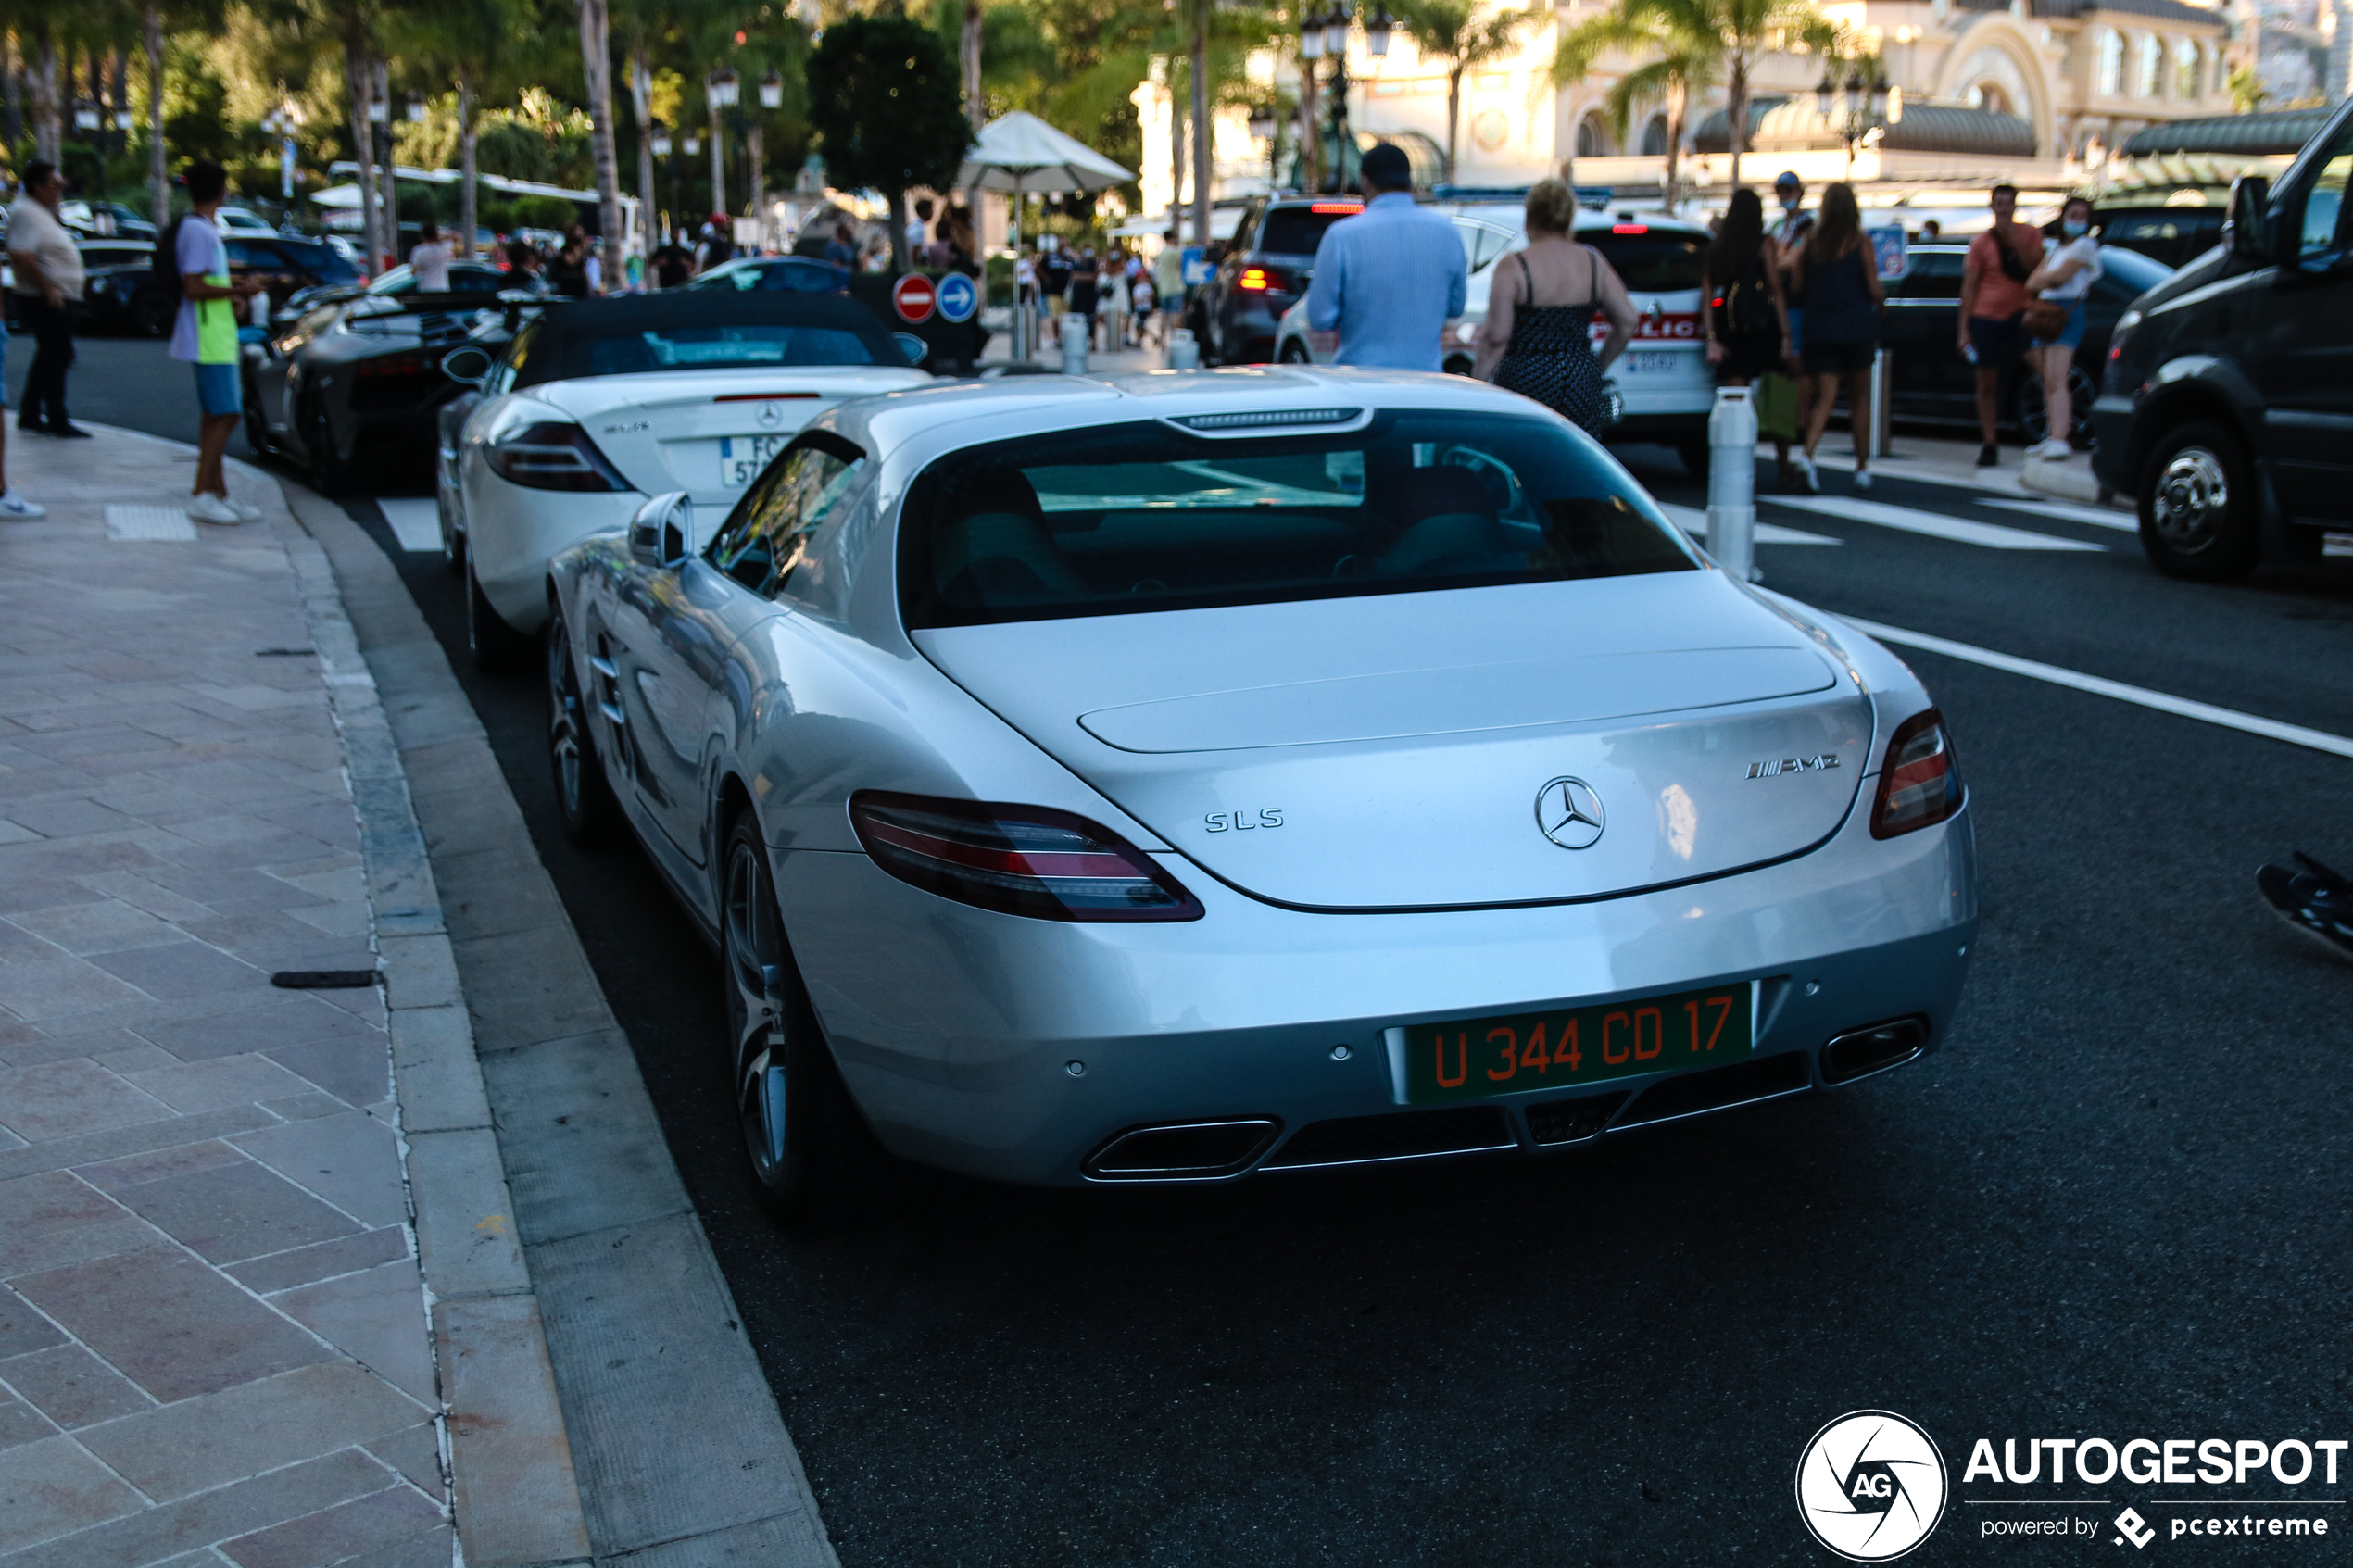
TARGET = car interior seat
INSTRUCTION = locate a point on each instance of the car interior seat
(996, 549)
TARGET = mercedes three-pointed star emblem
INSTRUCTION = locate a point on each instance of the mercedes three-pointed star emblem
(771, 416)
(1570, 813)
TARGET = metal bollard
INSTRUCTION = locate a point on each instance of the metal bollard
(1882, 402)
(1732, 482)
(1073, 337)
(1184, 353)
(1024, 330)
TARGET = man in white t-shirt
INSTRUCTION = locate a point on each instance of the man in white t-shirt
(430, 261)
(48, 280)
(205, 334)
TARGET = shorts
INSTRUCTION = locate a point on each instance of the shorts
(1052, 303)
(1837, 359)
(2071, 333)
(1999, 341)
(1797, 329)
(219, 390)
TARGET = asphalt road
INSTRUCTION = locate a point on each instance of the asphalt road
(2112, 1205)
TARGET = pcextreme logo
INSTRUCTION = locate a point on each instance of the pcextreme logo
(1871, 1485)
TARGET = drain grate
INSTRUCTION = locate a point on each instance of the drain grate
(149, 525)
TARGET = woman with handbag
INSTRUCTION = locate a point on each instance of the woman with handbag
(1538, 338)
(1839, 271)
(2062, 285)
(1745, 321)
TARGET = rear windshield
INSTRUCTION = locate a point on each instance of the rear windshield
(729, 347)
(1132, 518)
(1297, 231)
(1650, 263)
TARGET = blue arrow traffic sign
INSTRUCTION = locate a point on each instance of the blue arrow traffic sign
(958, 298)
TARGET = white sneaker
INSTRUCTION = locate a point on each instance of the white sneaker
(1862, 479)
(17, 509)
(209, 508)
(2053, 450)
(249, 512)
(1804, 465)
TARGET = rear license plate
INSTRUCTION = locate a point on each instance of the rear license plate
(1471, 1058)
(742, 457)
(1654, 362)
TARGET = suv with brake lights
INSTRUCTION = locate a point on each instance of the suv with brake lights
(1263, 272)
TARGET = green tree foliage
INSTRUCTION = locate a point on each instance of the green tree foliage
(883, 101)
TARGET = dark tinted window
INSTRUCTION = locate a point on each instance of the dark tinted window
(733, 347)
(1297, 231)
(476, 280)
(1141, 517)
(1932, 274)
(765, 539)
(1650, 263)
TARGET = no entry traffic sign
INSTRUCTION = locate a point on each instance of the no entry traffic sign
(958, 298)
(913, 297)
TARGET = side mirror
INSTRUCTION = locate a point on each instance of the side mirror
(2244, 231)
(468, 367)
(662, 532)
(915, 349)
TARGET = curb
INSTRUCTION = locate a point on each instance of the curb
(509, 1459)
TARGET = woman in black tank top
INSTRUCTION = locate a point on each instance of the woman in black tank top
(1546, 351)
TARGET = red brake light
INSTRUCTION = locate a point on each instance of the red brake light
(1629, 228)
(551, 455)
(1017, 859)
(763, 396)
(1254, 278)
(1919, 784)
(1337, 207)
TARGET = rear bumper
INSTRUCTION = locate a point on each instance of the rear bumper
(957, 1029)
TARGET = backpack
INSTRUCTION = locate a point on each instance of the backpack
(165, 263)
(1748, 307)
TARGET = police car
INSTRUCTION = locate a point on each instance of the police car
(1662, 385)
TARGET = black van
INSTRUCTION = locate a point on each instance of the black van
(2227, 406)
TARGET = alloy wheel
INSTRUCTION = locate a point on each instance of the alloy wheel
(754, 957)
(2193, 499)
(563, 722)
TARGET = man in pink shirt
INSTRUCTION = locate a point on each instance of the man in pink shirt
(1993, 325)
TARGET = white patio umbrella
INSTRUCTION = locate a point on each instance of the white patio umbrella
(1019, 153)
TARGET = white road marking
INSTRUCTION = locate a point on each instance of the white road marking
(2230, 718)
(1693, 521)
(417, 524)
(2098, 517)
(150, 525)
(1992, 536)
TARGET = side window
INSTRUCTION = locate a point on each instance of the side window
(1934, 274)
(766, 538)
(2324, 203)
(240, 253)
(502, 375)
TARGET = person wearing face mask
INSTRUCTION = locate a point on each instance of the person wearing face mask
(1784, 393)
(2071, 265)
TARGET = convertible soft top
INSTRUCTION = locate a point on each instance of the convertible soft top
(569, 330)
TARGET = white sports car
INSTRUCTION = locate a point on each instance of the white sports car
(597, 404)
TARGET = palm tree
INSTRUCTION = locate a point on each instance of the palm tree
(1693, 44)
(596, 60)
(1451, 31)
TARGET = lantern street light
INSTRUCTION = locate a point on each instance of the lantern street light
(771, 91)
(416, 108)
(723, 88)
(1854, 109)
(1377, 29)
(1310, 36)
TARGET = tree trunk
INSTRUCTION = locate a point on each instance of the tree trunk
(1203, 130)
(359, 82)
(387, 175)
(596, 60)
(969, 55)
(468, 177)
(718, 167)
(13, 89)
(1311, 140)
(48, 130)
(1175, 154)
(1677, 100)
(755, 169)
(641, 97)
(1454, 117)
(1736, 114)
(158, 177)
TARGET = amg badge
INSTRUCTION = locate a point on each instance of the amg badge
(1774, 768)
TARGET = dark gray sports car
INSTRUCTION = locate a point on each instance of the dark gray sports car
(353, 384)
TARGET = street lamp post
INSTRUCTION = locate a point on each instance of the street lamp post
(658, 138)
(1325, 35)
(722, 89)
(1854, 111)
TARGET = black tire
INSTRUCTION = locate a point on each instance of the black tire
(1295, 353)
(496, 646)
(2197, 505)
(1693, 450)
(812, 1159)
(257, 428)
(329, 472)
(583, 795)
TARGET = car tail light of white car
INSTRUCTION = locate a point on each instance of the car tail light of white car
(551, 455)
(1017, 859)
(1919, 785)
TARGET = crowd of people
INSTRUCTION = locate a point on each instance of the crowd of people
(1116, 291)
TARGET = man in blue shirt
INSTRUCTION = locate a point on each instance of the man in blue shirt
(1389, 278)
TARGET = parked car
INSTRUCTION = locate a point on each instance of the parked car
(237, 221)
(119, 274)
(2226, 412)
(1934, 381)
(1044, 760)
(104, 220)
(354, 383)
(466, 276)
(1261, 272)
(793, 274)
(2171, 236)
(599, 403)
(1661, 388)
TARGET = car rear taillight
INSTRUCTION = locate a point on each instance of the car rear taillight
(1015, 859)
(552, 455)
(1337, 207)
(1253, 278)
(1919, 785)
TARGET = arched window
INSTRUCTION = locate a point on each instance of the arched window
(2111, 62)
(1989, 96)
(2148, 73)
(2186, 72)
(1592, 137)
(1655, 136)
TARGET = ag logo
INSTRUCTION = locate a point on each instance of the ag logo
(1871, 1485)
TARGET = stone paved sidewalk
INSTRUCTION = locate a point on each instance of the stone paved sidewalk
(213, 1332)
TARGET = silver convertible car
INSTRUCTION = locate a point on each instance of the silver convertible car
(1182, 776)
